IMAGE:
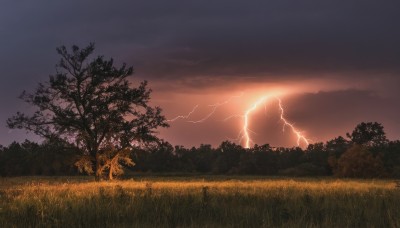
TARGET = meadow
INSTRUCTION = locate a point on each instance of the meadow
(198, 201)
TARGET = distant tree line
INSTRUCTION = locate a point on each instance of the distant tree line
(365, 153)
(52, 157)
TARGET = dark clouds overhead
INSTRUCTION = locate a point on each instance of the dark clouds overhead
(192, 44)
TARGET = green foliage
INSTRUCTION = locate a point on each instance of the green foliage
(94, 105)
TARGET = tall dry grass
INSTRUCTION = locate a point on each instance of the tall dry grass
(197, 202)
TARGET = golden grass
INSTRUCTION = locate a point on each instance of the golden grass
(199, 202)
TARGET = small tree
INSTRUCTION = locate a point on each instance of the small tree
(357, 161)
(94, 105)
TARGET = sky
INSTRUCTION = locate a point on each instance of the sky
(333, 64)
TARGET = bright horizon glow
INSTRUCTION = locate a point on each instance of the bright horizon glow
(286, 123)
(244, 135)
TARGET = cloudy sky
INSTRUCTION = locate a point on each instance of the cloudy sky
(333, 64)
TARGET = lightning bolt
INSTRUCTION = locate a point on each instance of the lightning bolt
(244, 134)
(215, 107)
(298, 133)
(184, 117)
(213, 110)
(245, 129)
(286, 123)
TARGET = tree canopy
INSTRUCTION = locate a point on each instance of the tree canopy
(93, 104)
(368, 134)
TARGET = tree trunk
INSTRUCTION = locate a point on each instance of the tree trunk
(97, 167)
(110, 173)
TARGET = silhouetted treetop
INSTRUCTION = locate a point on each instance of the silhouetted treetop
(369, 134)
(93, 104)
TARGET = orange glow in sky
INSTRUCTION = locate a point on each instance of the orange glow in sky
(245, 133)
(250, 113)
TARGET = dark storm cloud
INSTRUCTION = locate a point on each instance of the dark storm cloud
(197, 43)
(186, 38)
(358, 38)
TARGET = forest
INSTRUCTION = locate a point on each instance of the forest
(364, 153)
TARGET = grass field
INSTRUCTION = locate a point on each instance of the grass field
(198, 201)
